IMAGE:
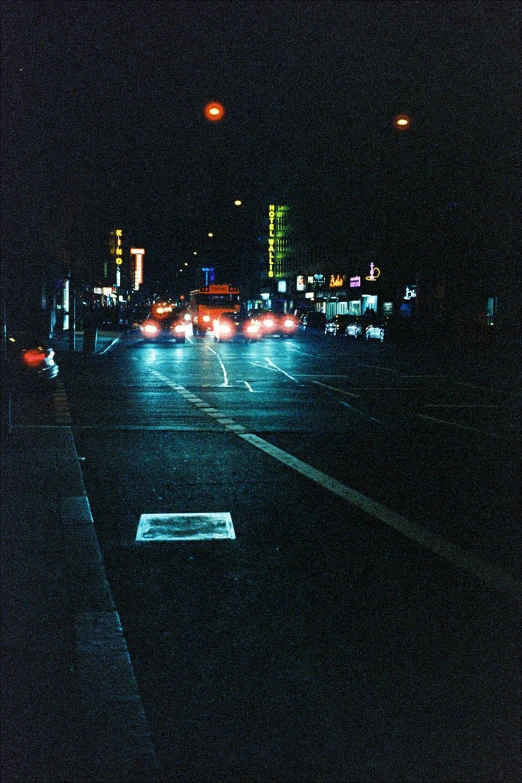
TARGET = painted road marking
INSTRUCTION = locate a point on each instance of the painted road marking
(185, 527)
(460, 426)
(459, 405)
(356, 410)
(494, 576)
(334, 388)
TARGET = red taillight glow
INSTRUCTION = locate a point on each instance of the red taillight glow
(253, 328)
(34, 356)
(179, 328)
(289, 323)
(269, 322)
(206, 318)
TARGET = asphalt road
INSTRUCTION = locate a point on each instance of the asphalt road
(362, 623)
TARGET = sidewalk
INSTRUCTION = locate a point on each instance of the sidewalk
(71, 708)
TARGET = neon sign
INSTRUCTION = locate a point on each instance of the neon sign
(336, 281)
(355, 282)
(271, 239)
(138, 252)
(374, 272)
(411, 293)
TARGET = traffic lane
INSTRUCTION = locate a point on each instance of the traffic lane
(450, 486)
(318, 641)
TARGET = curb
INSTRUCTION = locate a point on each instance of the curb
(114, 726)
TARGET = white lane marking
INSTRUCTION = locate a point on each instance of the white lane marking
(225, 376)
(334, 388)
(250, 389)
(492, 575)
(376, 367)
(459, 426)
(460, 405)
(280, 370)
(356, 410)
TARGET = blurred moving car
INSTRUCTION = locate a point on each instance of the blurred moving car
(30, 361)
(338, 325)
(164, 326)
(236, 326)
(315, 321)
(281, 324)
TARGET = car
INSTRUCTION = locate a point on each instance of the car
(163, 326)
(337, 325)
(280, 324)
(236, 326)
(375, 330)
(315, 321)
(29, 361)
(354, 327)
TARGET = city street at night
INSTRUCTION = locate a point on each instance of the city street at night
(261, 391)
(359, 619)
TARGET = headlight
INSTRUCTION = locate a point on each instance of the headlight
(149, 329)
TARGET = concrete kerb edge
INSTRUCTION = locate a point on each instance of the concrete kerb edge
(108, 687)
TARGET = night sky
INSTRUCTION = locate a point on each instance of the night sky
(102, 119)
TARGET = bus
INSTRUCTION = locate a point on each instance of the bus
(207, 304)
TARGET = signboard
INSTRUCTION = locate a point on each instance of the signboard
(355, 282)
(271, 239)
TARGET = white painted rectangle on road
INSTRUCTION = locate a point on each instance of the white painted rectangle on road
(185, 527)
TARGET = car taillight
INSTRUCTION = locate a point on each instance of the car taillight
(179, 328)
(252, 328)
(269, 322)
(34, 356)
(288, 323)
(206, 318)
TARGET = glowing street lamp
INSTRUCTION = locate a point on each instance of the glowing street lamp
(402, 122)
(214, 111)
(238, 202)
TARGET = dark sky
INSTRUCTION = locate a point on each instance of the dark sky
(102, 115)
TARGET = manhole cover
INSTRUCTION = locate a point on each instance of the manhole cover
(185, 527)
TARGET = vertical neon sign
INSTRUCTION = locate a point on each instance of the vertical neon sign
(271, 239)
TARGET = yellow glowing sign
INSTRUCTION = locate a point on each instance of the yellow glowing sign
(374, 272)
(336, 281)
(116, 249)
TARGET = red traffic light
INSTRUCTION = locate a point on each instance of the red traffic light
(214, 111)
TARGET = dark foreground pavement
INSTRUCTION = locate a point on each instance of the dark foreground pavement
(70, 703)
(71, 708)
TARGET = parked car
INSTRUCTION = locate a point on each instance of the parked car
(29, 361)
(162, 327)
(338, 325)
(281, 324)
(315, 321)
(236, 326)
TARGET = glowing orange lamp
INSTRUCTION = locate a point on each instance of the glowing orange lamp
(214, 111)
